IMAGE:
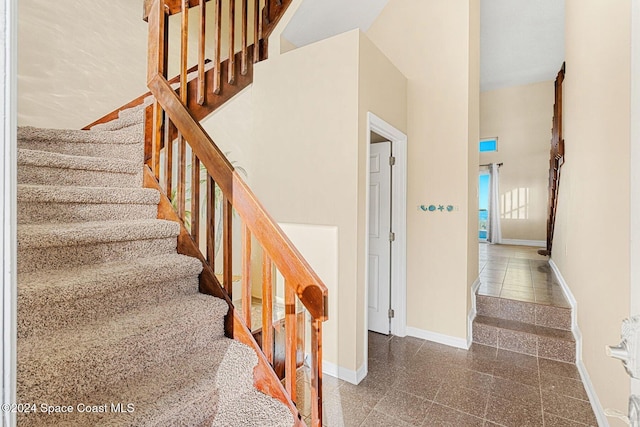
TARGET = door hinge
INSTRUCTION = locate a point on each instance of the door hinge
(392, 236)
(392, 160)
(392, 313)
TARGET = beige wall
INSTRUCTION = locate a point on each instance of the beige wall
(520, 117)
(78, 61)
(382, 91)
(472, 148)
(591, 245)
(303, 142)
(305, 107)
(440, 263)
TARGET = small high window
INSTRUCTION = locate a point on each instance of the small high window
(488, 144)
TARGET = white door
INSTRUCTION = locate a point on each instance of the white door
(379, 238)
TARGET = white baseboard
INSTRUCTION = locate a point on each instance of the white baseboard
(593, 397)
(348, 375)
(472, 312)
(582, 369)
(518, 242)
(437, 337)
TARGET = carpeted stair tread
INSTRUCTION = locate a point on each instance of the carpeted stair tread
(97, 355)
(88, 149)
(58, 299)
(72, 234)
(128, 135)
(27, 157)
(253, 409)
(88, 195)
(182, 392)
(126, 118)
(39, 204)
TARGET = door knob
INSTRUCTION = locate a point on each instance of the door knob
(628, 351)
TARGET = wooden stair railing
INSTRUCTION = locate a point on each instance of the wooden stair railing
(556, 160)
(196, 178)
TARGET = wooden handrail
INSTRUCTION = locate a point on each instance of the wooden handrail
(306, 283)
(174, 119)
(556, 160)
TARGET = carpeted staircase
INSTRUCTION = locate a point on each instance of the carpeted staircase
(108, 312)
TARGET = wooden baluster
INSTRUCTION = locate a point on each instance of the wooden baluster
(201, 52)
(290, 340)
(216, 47)
(180, 191)
(244, 64)
(316, 373)
(266, 18)
(158, 41)
(227, 245)
(168, 166)
(149, 130)
(246, 275)
(256, 31)
(182, 147)
(158, 57)
(211, 222)
(158, 119)
(195, 198)
(184, 46)
(267, 307)
(232, 39)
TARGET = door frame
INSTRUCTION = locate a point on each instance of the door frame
(482, 172)
(8, 186)
(634, 308)
(398, 224)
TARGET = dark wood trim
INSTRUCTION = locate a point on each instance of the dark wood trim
(556, 160)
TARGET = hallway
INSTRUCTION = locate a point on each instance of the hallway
(417, 383)
(412, 382)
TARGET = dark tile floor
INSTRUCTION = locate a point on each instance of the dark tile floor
(518, 273)
(412, 382)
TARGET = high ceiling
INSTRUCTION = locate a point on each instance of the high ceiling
(521, 41)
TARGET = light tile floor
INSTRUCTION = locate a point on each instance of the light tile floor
(518, 273)
(415, 383)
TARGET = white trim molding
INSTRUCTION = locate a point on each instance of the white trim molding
(520, 242)
(634, 165)
(473, 311)
(8, 215)
(348, 375)
(438, 337)
(582, 369)
(399, 224)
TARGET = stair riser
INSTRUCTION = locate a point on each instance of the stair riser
(59, 257)
(39, 213)
(193, 409)
(206, 405)
(526, 343)
(44, 309)
(39, 175)
(47, 379)
(112, 151)
(535, 314)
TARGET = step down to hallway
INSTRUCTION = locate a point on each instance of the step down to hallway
(520, 337)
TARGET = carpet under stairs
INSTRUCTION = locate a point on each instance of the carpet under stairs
(109, 315)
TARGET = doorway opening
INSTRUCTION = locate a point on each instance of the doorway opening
(390, 300)
(484, 179)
